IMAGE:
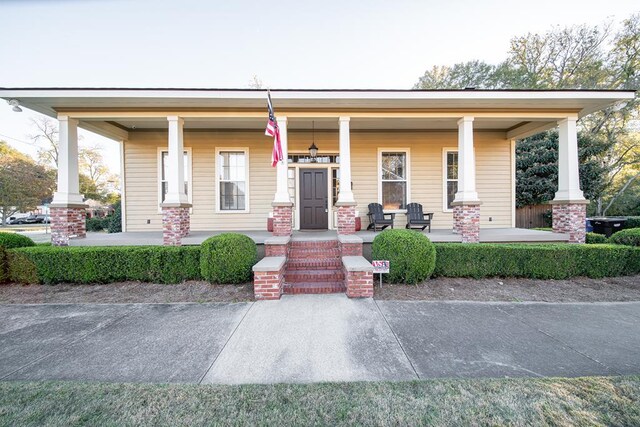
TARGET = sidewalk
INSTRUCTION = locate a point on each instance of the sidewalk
(309, 338)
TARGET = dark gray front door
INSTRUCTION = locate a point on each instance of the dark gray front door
(313, 199)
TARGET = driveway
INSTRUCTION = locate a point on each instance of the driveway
(313, 338)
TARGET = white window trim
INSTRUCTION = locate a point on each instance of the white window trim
(407, 152)
(159, 174)
(247, 208)
(446, 150)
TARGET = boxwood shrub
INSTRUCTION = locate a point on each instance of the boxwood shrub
(632, 222)
(51, 265)
(228, 258)
(595, 238)
(628, 236)
(3, 264)
(538, 261)
(411, 254)
(15, 240)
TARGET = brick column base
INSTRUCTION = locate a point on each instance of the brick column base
(268, 278)
(350, 245)
(359, 284)
(175, 225)
(277, 246)
(466, 222)
(346, 218)
(67, 223)
(570, 218)
(282, 219)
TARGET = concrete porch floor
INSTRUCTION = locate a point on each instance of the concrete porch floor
(141, 238)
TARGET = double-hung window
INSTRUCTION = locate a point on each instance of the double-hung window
(232, 180)
(394, 177)
(450, 177)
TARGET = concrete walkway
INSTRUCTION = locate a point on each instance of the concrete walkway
(311, 338)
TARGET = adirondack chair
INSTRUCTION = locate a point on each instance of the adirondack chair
(379, 219)
(416, 218)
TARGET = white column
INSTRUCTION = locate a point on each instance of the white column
(68, 179)
(282, 192)
(568, 165)
(345, 194)
(175, 166)
(466, 162)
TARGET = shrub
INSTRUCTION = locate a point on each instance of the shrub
(95, 224)
(14, 240)
(115, 220)
(411, 254)
(595, 238)
(632, 222)
(3, 264)
(538, 261)
(50, 264)
(228, 258)
(628, 236)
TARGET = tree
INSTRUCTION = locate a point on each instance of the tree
(579, 57)
(23, 183)
(537, 167)
(94, 175)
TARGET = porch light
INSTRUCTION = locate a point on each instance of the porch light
(313, 150)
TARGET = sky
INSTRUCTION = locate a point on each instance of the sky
(333, 44)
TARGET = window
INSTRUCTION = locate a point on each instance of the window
(335, 184)
(164, 169)
(451, 177)
(393, 179)
(232, 177)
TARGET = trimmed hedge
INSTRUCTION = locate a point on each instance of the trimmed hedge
(595, 238)
(15, 240)
(228, 258)
(628, 236)
(537, 261)
(411, 254)
(632, 222)
(3, 265)
(107, 264)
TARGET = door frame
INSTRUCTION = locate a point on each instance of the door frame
(328, 167)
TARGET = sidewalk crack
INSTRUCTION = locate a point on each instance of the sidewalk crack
(560, 341)
(397, 340)
(202, 377)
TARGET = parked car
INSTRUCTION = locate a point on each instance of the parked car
(43, 219)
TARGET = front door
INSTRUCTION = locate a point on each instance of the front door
(313, 199)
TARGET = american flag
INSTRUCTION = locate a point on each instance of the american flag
(273, 131)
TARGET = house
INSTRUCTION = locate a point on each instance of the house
(198, 159)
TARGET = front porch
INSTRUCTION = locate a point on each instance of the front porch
(487, 235)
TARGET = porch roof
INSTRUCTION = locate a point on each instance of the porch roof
(113, 112)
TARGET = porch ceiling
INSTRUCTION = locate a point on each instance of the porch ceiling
(320, 124)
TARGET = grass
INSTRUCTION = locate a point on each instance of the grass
(525, 401)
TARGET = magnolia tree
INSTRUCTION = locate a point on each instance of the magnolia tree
(580, 57)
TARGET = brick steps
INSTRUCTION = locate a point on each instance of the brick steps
(314, 264)
(314, 288)
(313, 276)
(314, 267)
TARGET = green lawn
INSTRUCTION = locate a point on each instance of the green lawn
(581, 401)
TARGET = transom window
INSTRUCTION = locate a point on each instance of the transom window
(232, 180)
(164, 168)
(393, 179)
(451, 177)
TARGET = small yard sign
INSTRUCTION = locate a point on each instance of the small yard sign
(380, 266)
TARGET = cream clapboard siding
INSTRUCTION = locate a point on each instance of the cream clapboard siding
(141, 153)
(493, 164)
(493, 173)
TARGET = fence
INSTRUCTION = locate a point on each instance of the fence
(531, 216)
